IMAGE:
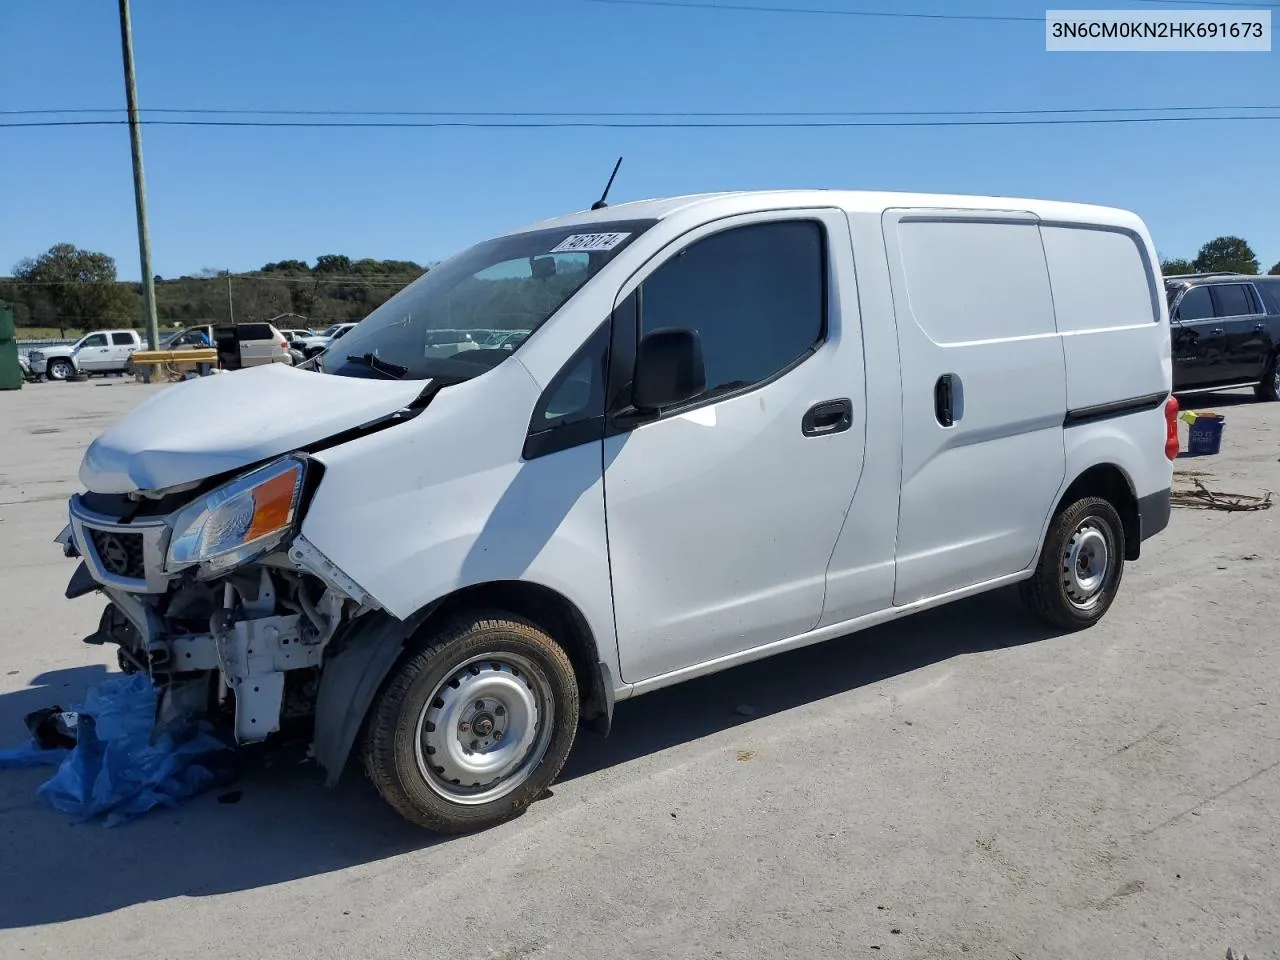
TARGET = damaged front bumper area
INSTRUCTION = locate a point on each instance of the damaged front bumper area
(245, 645)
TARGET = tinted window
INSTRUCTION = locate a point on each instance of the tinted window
(755, 294)
(1270, 290)
(254, 331)
(1195, 305)
(97, 340)
(1231, 300)
(122, 339)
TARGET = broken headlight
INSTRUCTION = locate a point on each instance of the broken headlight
(238, 521)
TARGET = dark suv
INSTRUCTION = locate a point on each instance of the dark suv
(1226, 332)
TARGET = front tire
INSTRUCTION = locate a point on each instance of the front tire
(474, 726)
(59, 369)
(1080, 567)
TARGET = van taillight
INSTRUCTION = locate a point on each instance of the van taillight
(284, 344)
(1171, 445)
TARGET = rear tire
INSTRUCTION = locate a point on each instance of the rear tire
(59, 369)
(1269, 388)
(1080, 567)
(474, 726)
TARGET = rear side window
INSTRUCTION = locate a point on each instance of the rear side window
(1269, 288)
(122, 339)
(1100, 279)
(969, 280)
(254, 331)
(1231, 300)
(1195, 305)
(755, 294)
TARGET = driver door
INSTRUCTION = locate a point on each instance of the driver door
(723, 512)
(93, 353)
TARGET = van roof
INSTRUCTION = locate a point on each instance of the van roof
(853, 201)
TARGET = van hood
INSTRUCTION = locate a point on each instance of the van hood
(204, 427)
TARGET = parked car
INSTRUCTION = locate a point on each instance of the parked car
(715, 440)
(292, 335)
(251, 345)
(1225, 330)
(320, 342)
(102, 351)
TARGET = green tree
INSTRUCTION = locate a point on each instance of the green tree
(80, 286)
(1176, 265)
(1226, 254)
(1274, 271)
(335, 263)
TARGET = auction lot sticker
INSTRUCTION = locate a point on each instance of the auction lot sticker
(589, 242)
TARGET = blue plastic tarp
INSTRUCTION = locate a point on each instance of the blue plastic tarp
(116, 771)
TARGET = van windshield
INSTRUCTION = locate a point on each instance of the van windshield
(473, 311)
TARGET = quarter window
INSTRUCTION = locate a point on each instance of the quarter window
(755, 294)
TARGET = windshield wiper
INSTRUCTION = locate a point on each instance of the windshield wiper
(382, 366)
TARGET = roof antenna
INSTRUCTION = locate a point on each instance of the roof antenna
(600, 204)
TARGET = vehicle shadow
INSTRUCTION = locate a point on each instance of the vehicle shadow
(278, 824)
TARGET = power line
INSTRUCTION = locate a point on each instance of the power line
(219, 279)
(892, 14)
(623, 114)
(636, 125)
(754, 8)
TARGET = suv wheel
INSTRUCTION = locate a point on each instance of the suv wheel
(1269, 388)
(59, 369)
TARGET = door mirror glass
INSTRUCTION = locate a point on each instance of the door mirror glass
(669, 369)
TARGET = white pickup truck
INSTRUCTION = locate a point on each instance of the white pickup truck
(102, 351)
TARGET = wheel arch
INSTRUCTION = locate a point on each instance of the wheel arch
(366, 656)
(1113, 484)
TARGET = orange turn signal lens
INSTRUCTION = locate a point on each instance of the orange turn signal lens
(274, 503)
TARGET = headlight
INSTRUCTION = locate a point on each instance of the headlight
(238, 521)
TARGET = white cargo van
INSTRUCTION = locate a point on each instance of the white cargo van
(624, 448)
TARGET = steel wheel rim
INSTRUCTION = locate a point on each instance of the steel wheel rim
(59, 370)
(485, 728)
(1086, 564)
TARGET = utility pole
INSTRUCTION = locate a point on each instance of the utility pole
(231, 309)
(139, 180)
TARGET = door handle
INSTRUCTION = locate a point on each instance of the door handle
(830, 416)
(1215, 331)
(944, 400)
(1259, 327)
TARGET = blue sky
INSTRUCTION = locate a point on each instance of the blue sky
(234, 198)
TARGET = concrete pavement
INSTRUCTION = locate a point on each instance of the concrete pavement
(960, 784)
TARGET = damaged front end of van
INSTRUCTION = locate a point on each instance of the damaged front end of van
(194, 538)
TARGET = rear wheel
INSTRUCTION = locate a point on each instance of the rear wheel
(1269, 388)
(1080, 566)
(59, 369)
(473, 727)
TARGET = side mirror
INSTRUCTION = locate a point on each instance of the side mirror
(669, 369)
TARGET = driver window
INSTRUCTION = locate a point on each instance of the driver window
(97, 340)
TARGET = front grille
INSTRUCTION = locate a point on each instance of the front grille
(120, 554)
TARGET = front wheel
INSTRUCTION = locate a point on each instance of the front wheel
(59, 369)
(1080, 566)
(473, 727)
